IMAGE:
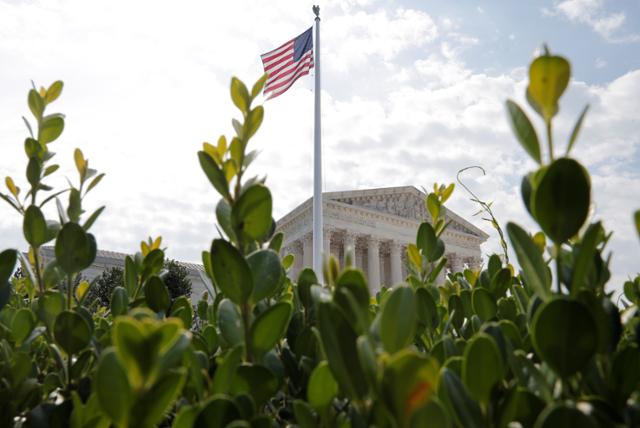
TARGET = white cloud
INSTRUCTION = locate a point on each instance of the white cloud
(593, 14)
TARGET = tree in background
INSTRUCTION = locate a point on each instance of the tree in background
(176, 278)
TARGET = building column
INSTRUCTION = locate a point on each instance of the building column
(373, 260)
(396, 263)
(349, 249)
(326, 243)
(307, 251)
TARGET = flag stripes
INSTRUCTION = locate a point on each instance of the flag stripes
(287, 63)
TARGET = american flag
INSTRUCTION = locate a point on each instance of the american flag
(285, 64)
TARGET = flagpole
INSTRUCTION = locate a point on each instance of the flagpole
(317, 157)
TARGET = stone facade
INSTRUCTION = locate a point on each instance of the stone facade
(377, 224)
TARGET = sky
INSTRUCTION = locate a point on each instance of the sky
(412, 91)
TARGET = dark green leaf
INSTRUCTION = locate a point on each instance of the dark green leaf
(157, 294)
(524, 130)
(214, 174)
(398, 319)
(230, 323)
(217, 413)
(465, 410)
(270, 326)
(231, 271)
(433, 413)
(34, 226)
(75, 209)
(483, 366)
(432, 247)
(266, 272)
(426, 308)
(112, 387)
(560, 202)
(36, 103)
(534, 270)
(92, 218)
(22, 324)
(34, 169)
(563, 335)
(564, 415)
(150, 409)
(322, 387)
(72, 332)
(119, 301)
(251, 214)
(339, 342)
(484, 304)
(256, 380)
(75, 249)
(521, 405)
(584, 258)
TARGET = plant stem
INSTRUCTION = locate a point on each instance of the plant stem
(36, 259)
(549, 140)
(558, 282)
(247, 332)
(69, 295)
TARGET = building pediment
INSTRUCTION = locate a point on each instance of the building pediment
(406, 202)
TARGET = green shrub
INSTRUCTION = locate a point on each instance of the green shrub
(489, 348)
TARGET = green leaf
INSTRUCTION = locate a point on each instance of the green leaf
(119, 301)
(426, 309)
(253, 121)
(534, 270)
(50, 129)
(433, 413)
(231, 271)
(564, 415)
(223, 215)
(226, 370)
(75, 209)
(266, 272)
(524, 130)
(75, 249)
(483, 366)
(36, 103)
(34, 169)
(256, 380)
(398, 319)
(112, 387)
(636, 220)
(560, 202)
(548, 78)
(72, 332)
(339, 342)
(304, 414)
(322, 387)
(8, 260)
(521, 405)
(259, 85)
(230, 323)
(150, 409)
(432, 247)
(563, 335)
(130, 275)
(576, 129)
(34, 226)
(214, 173)
(240, 95)
(409, 381)
(53, 92)
(217, 413)
(465, 410)
(22, 324)
(433, 205)
(157, 294)
(583, 263)
(484, 304)
(49, 306)
(251, 214)
(270, 327)
(92, 218)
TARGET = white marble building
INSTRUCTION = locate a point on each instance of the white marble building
(378, 223)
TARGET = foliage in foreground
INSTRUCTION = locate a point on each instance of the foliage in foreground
(484, 348)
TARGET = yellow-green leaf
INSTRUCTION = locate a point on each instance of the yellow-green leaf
(548, 78)
(11, 186)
